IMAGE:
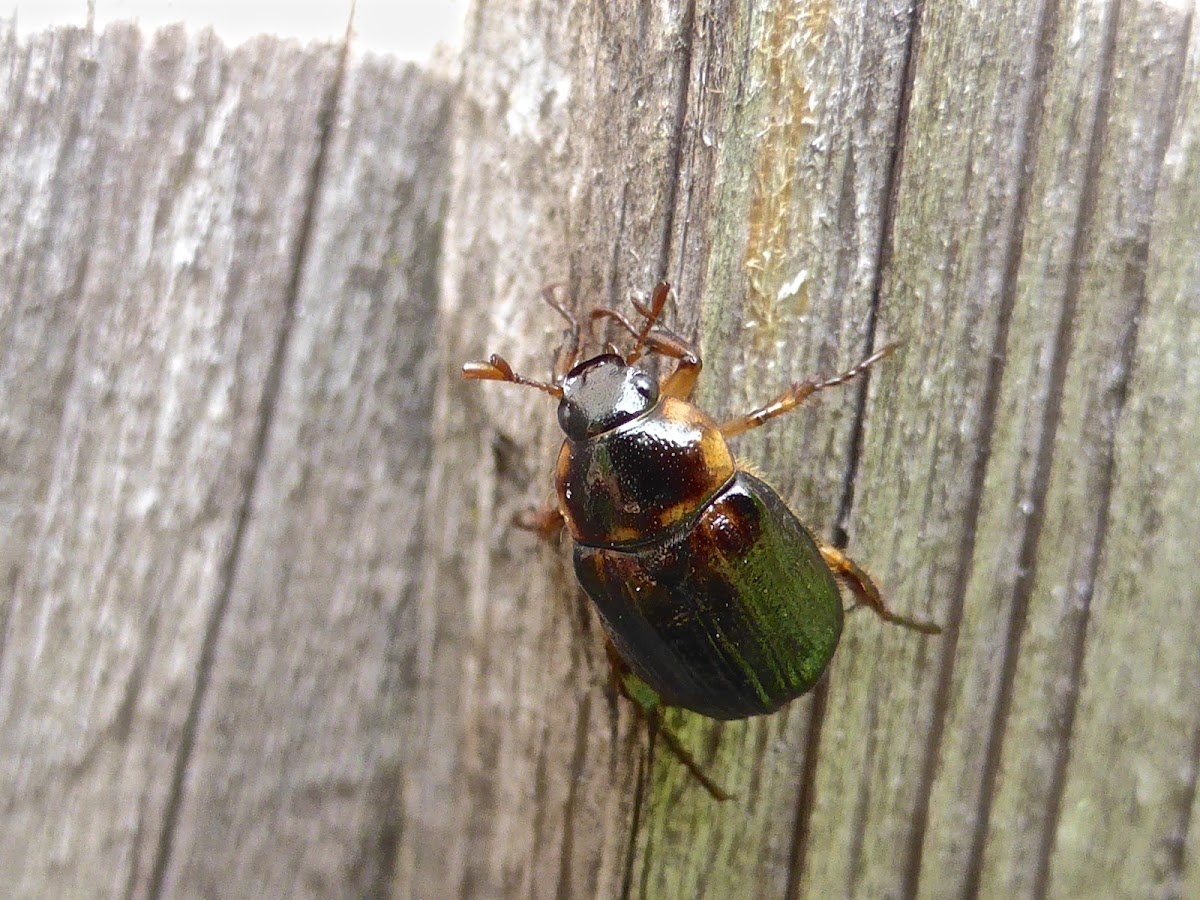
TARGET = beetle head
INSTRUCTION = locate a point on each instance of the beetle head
(601, 393)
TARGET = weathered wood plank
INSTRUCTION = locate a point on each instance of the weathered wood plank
(294, 785)
(970, 130)
(1070, 227)
(804, 161)
(1128, 785)
(801, 168)
(1010, 165)
(1104, 303)
(153, 192)
(219, 670)
(528, 774)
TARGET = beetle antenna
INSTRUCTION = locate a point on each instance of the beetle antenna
(498, 369)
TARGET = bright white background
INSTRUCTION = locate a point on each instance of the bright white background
(405, 28)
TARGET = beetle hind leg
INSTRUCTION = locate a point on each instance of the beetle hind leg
(649, 707)
(867, 593)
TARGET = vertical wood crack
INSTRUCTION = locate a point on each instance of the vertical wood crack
(327, 118)
(1137, 275)
(806, 796)
(1047, 29)
(675, 156)
(1178, 857)
(671, 199)
(565, 890)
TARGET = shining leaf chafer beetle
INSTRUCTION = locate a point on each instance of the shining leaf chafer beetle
(713, 595)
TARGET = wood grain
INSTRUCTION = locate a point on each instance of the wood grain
(194, 543)
(294, 782)
(266, 626)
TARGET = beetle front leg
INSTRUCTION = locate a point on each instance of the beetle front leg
(648, 706)
(564, 358)
(797, 394)
(865, 590)
(680, 383)
(545, 523)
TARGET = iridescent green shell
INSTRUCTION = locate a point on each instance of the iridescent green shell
(730, 612)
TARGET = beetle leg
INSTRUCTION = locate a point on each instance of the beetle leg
(545, 523)
(797, 394)
(651, 314)
(680, 383)
(868, 594)
(658, 726)
(563, 363)
(648, 706)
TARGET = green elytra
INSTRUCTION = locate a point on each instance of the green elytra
(713, 595)
(732, 614)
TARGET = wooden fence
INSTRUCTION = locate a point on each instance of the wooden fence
(264, 628)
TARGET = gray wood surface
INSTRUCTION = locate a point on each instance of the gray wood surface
(217, 319)
(265, 627)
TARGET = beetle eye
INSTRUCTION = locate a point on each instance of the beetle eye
(646, 386)
(572, 420)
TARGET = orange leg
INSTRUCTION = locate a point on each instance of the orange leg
(564, 361)
(658, 300)
(864, 589)
(545, 523)
(681, 382)
(797, 394)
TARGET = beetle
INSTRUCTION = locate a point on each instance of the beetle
(713, 595)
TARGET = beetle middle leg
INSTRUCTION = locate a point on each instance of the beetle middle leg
(567, 355)
(649, 707)
(798, 393)
(545, 523)
(867, 593)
